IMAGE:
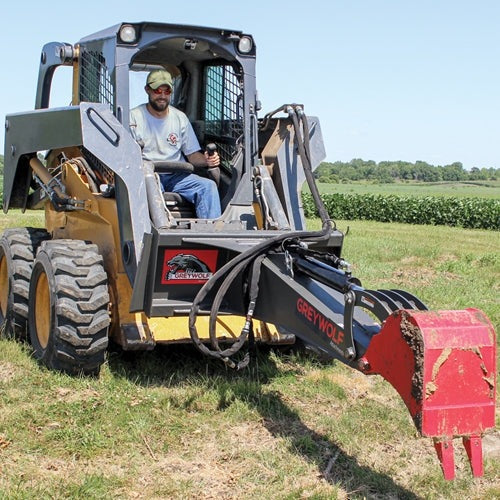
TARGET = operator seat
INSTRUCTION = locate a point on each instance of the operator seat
(178, 206)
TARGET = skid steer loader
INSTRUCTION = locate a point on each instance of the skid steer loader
(120, 259)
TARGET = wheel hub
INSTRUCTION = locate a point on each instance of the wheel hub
(42, 312)
(4, 286)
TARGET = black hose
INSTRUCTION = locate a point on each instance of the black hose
(255, 256)
(91, 177)
(232, 269)
(304, 153)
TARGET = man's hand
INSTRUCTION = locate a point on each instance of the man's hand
(213, 160)
(199, 159)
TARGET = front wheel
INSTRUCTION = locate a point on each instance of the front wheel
(68, 314)
(18, 248)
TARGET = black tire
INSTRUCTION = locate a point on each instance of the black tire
(18, 248)
(69, 307)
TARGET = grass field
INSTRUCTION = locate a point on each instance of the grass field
(171, 424)
(486, 189)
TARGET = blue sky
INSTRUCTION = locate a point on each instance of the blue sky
(389, 80)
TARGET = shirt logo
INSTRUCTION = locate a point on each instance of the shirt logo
(172, 139)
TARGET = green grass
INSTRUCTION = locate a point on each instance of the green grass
(15, 218)
(173, 424)
(486, 189)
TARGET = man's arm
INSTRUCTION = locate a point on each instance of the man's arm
(199, 159)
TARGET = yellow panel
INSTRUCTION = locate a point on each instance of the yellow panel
(176, 329)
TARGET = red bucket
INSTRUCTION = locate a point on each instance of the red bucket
(443, 364)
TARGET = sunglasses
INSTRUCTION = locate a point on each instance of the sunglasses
(159, 91)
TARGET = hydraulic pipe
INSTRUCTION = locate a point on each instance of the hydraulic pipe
(44, 175)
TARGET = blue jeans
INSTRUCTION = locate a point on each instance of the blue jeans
(199, 191)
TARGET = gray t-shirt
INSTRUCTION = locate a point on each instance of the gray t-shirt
(164, 139)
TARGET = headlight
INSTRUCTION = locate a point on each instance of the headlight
(245, 44)
(128, 34)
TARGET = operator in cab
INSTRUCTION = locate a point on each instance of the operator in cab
(166, 134)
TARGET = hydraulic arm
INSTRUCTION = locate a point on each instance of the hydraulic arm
(443, 364)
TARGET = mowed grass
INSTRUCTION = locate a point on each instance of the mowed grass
(479, 189)
(16, 218)
(173, 424)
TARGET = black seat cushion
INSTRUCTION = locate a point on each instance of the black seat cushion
(178, 206)
(174, 199)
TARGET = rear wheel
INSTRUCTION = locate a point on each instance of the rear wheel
(68, 307)
(18, 248)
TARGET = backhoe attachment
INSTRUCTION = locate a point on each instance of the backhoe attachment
(442, 364)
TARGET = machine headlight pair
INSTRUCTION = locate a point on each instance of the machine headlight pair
(128, 34)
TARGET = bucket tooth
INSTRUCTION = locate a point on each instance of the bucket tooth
(446, 456)
(474, 449)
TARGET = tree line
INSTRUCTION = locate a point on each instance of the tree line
(393, 171)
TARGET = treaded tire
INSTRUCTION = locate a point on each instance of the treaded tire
(68, 307)
(18, 248)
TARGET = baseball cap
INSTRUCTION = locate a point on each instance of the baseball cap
(159, 77)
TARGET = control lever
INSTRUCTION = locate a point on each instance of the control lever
(211, 149)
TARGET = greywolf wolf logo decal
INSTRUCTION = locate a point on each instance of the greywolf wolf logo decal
(187, 267)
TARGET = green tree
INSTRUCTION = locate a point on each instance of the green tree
(454, 172)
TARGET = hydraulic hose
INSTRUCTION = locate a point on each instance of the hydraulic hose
(305, 156)
(229, 272)
(254, 256)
